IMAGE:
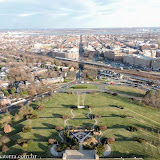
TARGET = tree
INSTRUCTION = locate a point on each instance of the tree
(65, 117)
(51, 141)
(103, 128)
(97, 116)
(24, 145)
(32, 90)
(25, 110)
(61, 147)
(7, 128)
(13, 90)
(23, 92)
(40, 107)
(6, 93)
(26, 129)
(6, 119)
(153, 98)
(1, 66)
(91, 106)
(100, 149)
(3, 140)
(59, 128)
(4, 148)
(110, 140)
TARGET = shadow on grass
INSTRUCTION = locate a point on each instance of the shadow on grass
(117, 126)
(34, 106)
(87, 124)
(57, 115)
(13, 140)
(123, 138)
(42, 147)
(40, 138)
(54, 116)
(14, 151)
(111, 115)
(117, 154)
(47, 126)
(80, 118)
(155, 130)
(17, 127)
(67, 106)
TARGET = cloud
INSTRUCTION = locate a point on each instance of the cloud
(80, 13)
(26, 14)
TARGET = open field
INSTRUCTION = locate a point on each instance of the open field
(144, 118)
(83, 87)
(127, 90)
(100, 159)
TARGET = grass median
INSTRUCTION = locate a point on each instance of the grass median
(83, 87)
(136, 92)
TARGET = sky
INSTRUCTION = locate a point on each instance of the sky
(48, 14)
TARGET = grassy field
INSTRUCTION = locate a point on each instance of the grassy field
(146, 119)
(127, 90)
(83, 87)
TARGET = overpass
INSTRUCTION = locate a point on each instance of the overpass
(82, 61)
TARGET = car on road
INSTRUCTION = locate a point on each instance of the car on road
(82, 82)
(33, 100)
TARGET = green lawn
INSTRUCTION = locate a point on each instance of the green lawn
(83, 87)
(127, 90)
(145, 118)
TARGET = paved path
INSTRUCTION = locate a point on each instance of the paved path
(65, 123)
(95, 123)
(55, 153)
(90, 111)
(60, 135)
(99, 139)
(73, 115)
(107, 152)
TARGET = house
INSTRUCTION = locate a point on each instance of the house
(1, 95)
(39, 71)
(71, 69)
(4, 84)
(52, 80)
(65, 69)
(2, 75)
(5, 101)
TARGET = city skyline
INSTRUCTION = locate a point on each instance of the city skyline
(26, 14)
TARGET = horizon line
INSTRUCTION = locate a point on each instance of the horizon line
(75, 28)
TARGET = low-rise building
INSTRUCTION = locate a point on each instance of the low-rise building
(156, 64)
(137, 60)
(52, 80)
(4, 84)
(113, 55)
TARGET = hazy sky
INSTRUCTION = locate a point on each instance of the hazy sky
(25, 14)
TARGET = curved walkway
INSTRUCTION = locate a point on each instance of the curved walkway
(55, 153)
(107, 152)
(60, 135)
(99, 139)
(90, 111)
(73, 115)
(65, 123)
(95, 123)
